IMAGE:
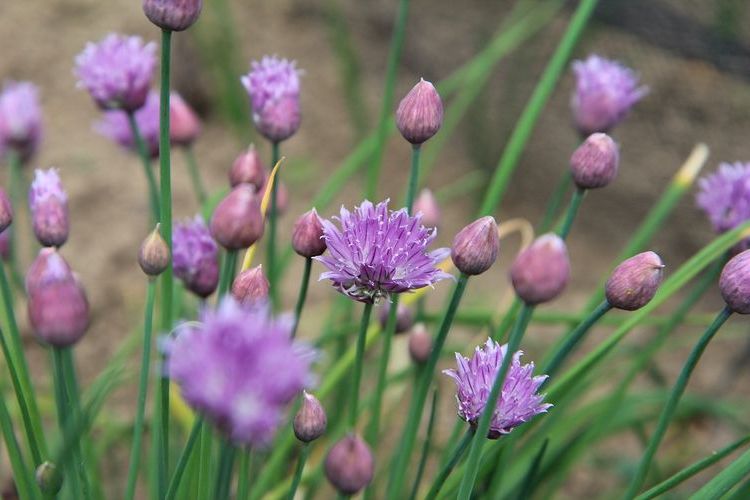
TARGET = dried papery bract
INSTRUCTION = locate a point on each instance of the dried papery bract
(635, 281)
(594, 163)
(48, 478)
(153, 256)
(349, 465)
(250, 286)
(172, 15)
(237, 222)
(476, 246)
(248, 168)
(734, 283)
(311, 421)
(540, 272)
(307, 236)
(420, 113)
(48, 204)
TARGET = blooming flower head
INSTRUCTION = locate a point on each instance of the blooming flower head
(605, 91)
(378, 252)
(195, 256)
(116, 126)
(518, 401)
(273, 87)
(117, 71)
(20, 119)
(725, 196)
(48, 204)
(240, 368)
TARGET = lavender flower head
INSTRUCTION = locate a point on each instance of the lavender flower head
(725, 196)
(195, 256)
(240, 368)
(273, 86)
(115, 126)
(379, 252)
(605, 91)
(518, 402)
(20, 119)
(48, 204)
(117, 71)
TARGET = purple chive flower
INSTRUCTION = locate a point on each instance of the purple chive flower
(195, 256)
(725, 196)
(20, 119)
(518, 402)
(48, 204)
(378, 252)
(116, 126)
(273, 86)
(240, 368)
(605, 91)
(117, 71)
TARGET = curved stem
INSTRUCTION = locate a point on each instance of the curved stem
(358, 362)
(570, 214)
(302, 294)
(298, 470)
(174, 484)
(272, 216)
(143, 154)
(195, 175)
(458, 452)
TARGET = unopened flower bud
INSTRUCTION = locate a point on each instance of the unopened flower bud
(248, 169)
(475, 247)
(594, 164)
(48, 478)
(420, 113)
(307, 237)
(48, 204)
(250, 286)
(153, 256)
(420, 344)
(404, 317)
(541, 271)
(172, 15)
(48, 267)
(350, 465)
(6, 211)
(310, 422)
(237, 222)
(184, 124)
(427, 205)
(59, 312)
(635, 281)
(734, 283)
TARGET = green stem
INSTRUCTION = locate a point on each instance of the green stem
(63, 405)
(272, 219)
(302, 294)
(204, 463)
(425, 446)
(724, 481)
(135, 453)
(195, 175)
(555, 201)
(404, 450)
(413, 178)
(298, 470)
(570, 214)
(472, 463)
(174, 484)
(530, 479)
(74, 402)
(143, 154)
(510, 316)
(21, 473)
(458, 452)
(358, 365)
(243, 483)
(224, 475)
(671, 406)
(227, 272)
(17, 196)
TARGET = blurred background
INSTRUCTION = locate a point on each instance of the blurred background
(694, 55)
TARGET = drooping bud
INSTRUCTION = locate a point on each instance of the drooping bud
(250, 286)
(48, 478)
(6, 211)
(734, 283)
(184, 124)
(311, 421)
(248, 169)
(420, 113)
(237, 222)
(59, 312)
(307, 236)
(475, 247)
(404, 317)
(594, 164)
(427, 205)
(541, 271)
(349, 465)
(153, 256)
(635, 281)
(49, 266)
(172, 15)
(48, 204)
(420, 344)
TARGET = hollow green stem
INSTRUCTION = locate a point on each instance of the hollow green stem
(674, 398)
(74, 403)
(187, 452)
(304, 452)
(570, 214)
(272, 220)
(195, 175)
(483, 427)
(302, 294)
(135, 452)
(22, 474)
(243, 483)
(63, 407)
(458, 452)
(425, 446)
(725, 480)
(358, 365)
(17, 188)
(555, 200)
(143, 154)
(227, 272)
(224, 474)
(204, 462)
(408, 437)
(411, 191)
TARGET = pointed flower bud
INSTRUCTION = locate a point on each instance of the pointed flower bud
(153, 256)
(250, 286)
(311, 421)
(427, 205)
(184, 124)
(237, 222)
(635, 281)
(541, 271)
(475, 247)
(307, 237)
(420, 114)
(420, 344)
(48, 204)
(48, 478)
(59, 312)
(350, 465)
(49, 266)
(734, 283)
(595, 163)
(20, 119)
(172, 15)
(195, 256)
(404, 317)
(248, 169)
(6, 211)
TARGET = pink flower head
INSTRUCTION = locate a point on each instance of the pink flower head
(48, 204)
(20, 119)
(725, 196)
(195, 256)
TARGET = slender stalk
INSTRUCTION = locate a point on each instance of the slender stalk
(195, 175)
(204, 463)
(510, 316)
(224, 475)
(174, 484)
(304, 452)
(358, 365)
(63, 405)
(135, 453)
(404, 450)
(472, 463)
(302, 294)
(21, 473)
(458, 452)
(725, 480)
(243, 483)
(227, 272)
(425, 446)
(272, 216)
(17, 195)
(570, 214)
(411, 191)
(674, 398)
(555, 201)
(74, 403)
(143, 154)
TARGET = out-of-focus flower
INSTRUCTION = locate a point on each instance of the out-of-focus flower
(6, 211)
(117, 71)
(248, 168)
(237, 221)
(725, 196)
(427, 205)
(540, 272)
(251, 286)
(404, 317)
(420, 344)
(635, 281)
(518, 401)
(184, 124)
(172, 15)
(379, 252)
(48, 204)
(20, 119)
(349, 465)
(274, 87)
(604, 93)
(47, 267)
(195, 256)
(420, 113)
(734, 283)
(115, 125)
(239, 368)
